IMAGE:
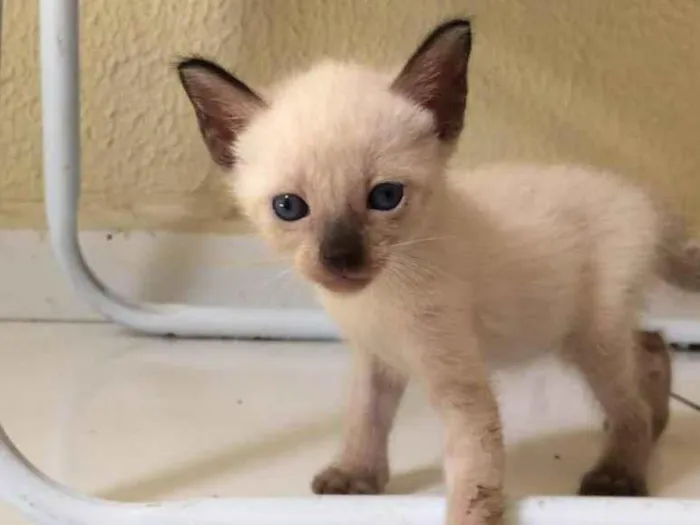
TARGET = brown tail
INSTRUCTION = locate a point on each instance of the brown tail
(679, 255)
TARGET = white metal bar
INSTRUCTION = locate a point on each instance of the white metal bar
(678, 331)
(45, 502)
(61, 136)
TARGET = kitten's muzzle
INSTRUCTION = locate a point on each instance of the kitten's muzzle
(343, 257)
(342, 247)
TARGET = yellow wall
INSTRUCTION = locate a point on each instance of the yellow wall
(609, 82)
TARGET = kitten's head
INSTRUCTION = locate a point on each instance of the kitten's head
(340, 164)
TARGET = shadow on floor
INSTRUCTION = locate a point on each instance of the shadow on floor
(551, 465)
(159, 484)
(548, 465)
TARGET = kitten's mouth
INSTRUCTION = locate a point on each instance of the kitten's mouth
(343, 282)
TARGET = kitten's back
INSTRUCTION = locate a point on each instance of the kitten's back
(546, 238)
(517, 193)
(616, 213)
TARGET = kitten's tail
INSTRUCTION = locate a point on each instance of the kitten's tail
(679, 255)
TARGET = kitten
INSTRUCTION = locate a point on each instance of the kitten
(431, 273)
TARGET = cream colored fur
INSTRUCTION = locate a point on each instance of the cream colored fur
(472, 269)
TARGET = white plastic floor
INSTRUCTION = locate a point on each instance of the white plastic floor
(136, 419)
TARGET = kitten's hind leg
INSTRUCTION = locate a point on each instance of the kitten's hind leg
(362, 466)
(610, 361)
(655, 378)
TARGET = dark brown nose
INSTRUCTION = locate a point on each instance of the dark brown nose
(342, 248)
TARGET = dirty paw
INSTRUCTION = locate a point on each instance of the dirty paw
(610, 481)
(336, 480)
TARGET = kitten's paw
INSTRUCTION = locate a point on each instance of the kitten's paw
(612, 481)
(338, 480)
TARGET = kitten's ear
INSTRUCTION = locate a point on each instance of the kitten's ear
(435, 77)
(223, 104)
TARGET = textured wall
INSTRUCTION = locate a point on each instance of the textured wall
(613, 83)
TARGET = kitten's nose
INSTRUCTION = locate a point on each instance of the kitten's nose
(343, 259)
(342, 248)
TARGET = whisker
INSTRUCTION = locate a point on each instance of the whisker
(413, 269)
(274, 279)
(418, 241)
(255, 262)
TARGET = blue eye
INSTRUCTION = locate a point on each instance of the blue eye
(385, 196)
(290, 207)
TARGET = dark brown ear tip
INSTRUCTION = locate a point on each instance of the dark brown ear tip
(185, 64)
(461, 25)
(209, 67)
(455, 23)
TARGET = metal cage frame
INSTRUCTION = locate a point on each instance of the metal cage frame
(45, 502)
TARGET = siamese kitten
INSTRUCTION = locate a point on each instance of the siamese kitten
(430, 274)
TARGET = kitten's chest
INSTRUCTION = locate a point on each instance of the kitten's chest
(381, 326)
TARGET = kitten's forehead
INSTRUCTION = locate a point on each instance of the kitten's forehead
(334, 92)
(334, 114)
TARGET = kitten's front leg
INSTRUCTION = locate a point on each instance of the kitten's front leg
(362, 467)
(474, 466)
